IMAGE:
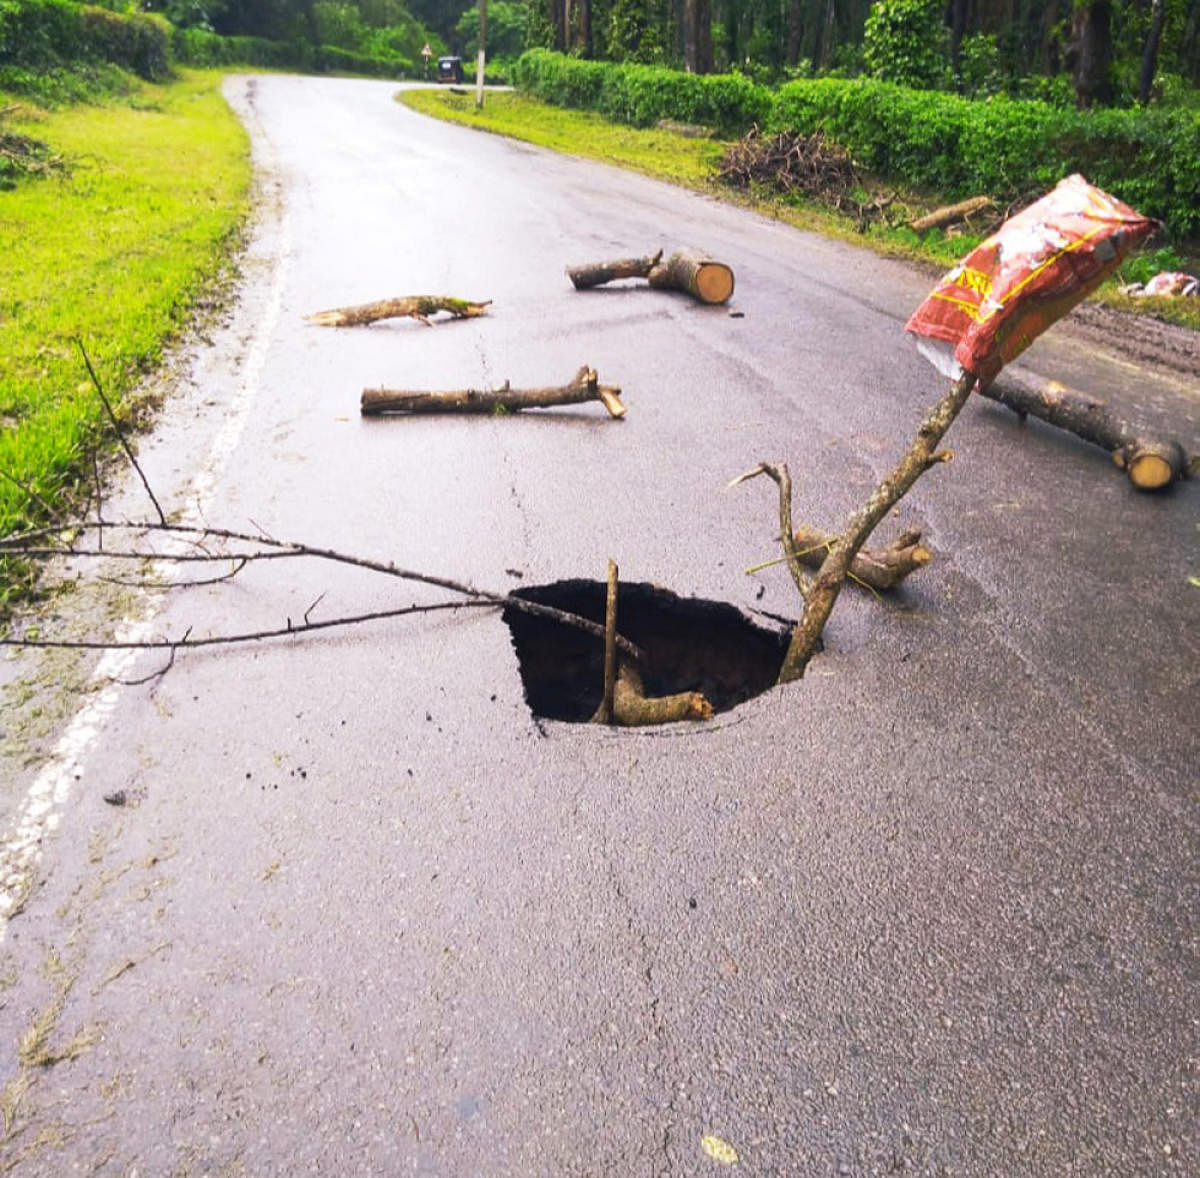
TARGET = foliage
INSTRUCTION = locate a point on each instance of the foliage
(506, 28)
(905, 41)
(49, 33)
(198, 47)
(641, 95)
(1005, 147)
(116, 250)
(332, 58)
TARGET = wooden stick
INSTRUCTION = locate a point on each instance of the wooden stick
(605, 715)
(879, 568)
(584, 387)
(824, 591)
(948, 214)
(1150, 463)
(418, 307)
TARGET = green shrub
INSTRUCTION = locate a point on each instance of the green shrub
(205, 50)
(49, 33)
(1003, 147)
(329, 58)
(640, 95)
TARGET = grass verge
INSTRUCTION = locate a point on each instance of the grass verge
(114, 250)
(692, 163)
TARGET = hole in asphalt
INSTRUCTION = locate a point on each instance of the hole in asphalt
(690, 645)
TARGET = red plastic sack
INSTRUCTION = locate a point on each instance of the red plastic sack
(1029, 273)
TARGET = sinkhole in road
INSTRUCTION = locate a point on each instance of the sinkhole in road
(690, 644)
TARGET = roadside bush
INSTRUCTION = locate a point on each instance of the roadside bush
(200, 48)
(331, 58)
(49, 33)
(1006, 148)
(640, 95)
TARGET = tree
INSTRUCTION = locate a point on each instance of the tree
(905, 42)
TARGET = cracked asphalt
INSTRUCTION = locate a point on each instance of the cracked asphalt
(930, 911)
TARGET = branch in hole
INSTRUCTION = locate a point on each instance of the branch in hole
(418, 307)
(584, 386)
(632, 708)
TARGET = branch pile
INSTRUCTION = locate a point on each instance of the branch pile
(807, 165)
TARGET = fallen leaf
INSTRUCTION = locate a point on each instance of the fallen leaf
(718, 1150)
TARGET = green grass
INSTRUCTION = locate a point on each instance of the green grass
(692, 163)
(113, 251)
(664, 155)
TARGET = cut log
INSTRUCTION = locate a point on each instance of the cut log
(949, 214)
(598, 273)
(694, 273)
(418, 307)
(632, 708)
(585, 386)
(1150, 463)
(880, 569)
(702, 277)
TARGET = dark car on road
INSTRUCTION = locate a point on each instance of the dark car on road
(449, 69)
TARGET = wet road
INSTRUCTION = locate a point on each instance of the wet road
(929, 911)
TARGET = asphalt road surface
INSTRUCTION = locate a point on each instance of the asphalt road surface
(929, 911)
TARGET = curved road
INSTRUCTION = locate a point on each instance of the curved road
(929, 911)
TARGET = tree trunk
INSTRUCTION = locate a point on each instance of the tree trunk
(1150, 463)
(1150, 56)
(828, 33)
(958, 27)
(795, 31)
(697, 36)
(1089, 53)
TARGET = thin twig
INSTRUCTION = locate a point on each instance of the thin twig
(286, 548)
(166, 585)
(286, 631)
(161, 672)
(780, 476)
(117, 426)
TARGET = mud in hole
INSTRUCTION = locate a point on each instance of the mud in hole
(690, 645)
